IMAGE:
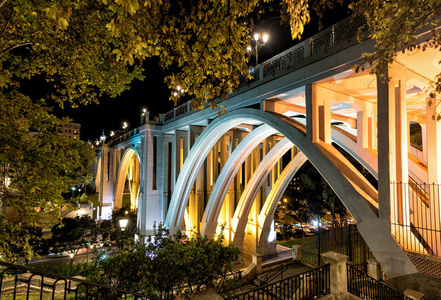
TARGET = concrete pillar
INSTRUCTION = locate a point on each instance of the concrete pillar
(297, 253)
(386, 144)
(433, 132)
(402, 149)
(338, 273)
(256, 259)
(362, 129)
(106, 187)
(374, 269)
(318, 114)
(424, 140)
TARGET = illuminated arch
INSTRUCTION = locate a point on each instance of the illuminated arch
(269, 208)
(240, 218)
(130, 157)
(226, 177)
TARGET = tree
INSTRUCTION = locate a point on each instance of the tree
(71, 234)
(38, 164)
(165, 264)
(315, 193)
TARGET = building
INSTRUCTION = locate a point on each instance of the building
(71, 130)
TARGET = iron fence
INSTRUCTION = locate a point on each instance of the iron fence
(284, 62)
(25, 282)
(344, 32)
(343, 237)
(311, 258)
(277, 254)
(365, 287)
(311, 284)
(416, 221)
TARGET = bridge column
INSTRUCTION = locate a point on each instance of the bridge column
(106, 187)
(433, 141)
(196, 200)
(433, 132)
(151, 203)
(318, 114)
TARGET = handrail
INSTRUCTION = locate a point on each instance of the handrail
(311, 284)
(362, 285)
(87, 287)
(276, 272)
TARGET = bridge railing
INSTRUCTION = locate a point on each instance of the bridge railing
(343, 31)
(31, 283)
(124, 137)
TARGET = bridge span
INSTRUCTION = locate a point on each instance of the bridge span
(197, 172)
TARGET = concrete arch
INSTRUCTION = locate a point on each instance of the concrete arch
(357, 194)
(269, 208)
(240, 218)
(291, 130)
(122, 174)
(226, 177)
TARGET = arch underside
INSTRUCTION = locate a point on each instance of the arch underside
(294, 136)
(359, 197)
(128, 173)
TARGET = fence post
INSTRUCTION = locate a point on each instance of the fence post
(338, 273)
(297, 253)
(373, 269)
(256, 258)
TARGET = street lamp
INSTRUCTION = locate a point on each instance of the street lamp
(125, 125)
(123, 225)
(73, 191)
(70, 269)
(259, 41)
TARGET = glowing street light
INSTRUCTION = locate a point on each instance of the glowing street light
(259, 41)
(123, 225)
(125, 125)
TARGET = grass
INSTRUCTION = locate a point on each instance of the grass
(308, 243)
(58, 296)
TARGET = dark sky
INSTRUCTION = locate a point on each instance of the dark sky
(153, 94)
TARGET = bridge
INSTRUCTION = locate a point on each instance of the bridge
(197, 172)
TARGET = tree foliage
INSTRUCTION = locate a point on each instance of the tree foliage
(37, 165)
(165, 264)
(314, 195)
(71, 234)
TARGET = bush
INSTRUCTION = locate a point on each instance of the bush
(167, 265)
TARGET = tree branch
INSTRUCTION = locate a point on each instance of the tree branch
(14, 47)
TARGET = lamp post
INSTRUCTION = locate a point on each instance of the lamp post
(259, 41)
(123, 225)
(73, 191)
(70, 269)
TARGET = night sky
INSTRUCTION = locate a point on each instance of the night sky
(153, 94)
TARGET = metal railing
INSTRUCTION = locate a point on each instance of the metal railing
(336, 35)
(311, 284)
(277, 254)
(365, 287)
(345, 30)
(16, 280)
(415, 217)
(284, 62)
(311, 258)
(273, 274)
